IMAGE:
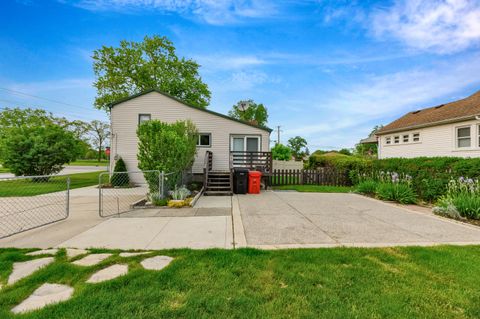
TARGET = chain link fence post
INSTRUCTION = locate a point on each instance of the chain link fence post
(68, 196)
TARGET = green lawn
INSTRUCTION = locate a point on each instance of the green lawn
(89, 163)
(4, 170)
(316, 188)
(28, 187)
(413, 282)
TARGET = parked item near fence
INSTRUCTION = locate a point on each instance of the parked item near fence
(240, 180)
(254, 182)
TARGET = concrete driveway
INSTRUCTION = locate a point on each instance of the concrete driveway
(291, 219)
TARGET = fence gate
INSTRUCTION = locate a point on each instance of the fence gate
(29, 202)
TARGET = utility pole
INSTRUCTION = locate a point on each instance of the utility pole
(278, 134)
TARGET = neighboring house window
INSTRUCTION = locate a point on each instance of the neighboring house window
(463, 137)
(478, 130)
(406, 138)
(388, 140)
(396, 139)
(144, 117)
(416, 137)
(204, 140)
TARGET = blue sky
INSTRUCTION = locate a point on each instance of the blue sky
(326, 70)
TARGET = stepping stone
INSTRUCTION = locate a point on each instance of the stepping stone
(156, 263)
(73, 252)
(91, 260)
(134, 254)
(46, 294)
(52, 251)
(26, 268)
(108, 273)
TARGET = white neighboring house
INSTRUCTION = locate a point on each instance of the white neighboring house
(451, 129)
(218, 133)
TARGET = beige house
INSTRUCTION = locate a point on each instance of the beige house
(219, 135)
(451, 129)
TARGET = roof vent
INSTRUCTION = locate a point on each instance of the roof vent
(415, 112)
(437, 107)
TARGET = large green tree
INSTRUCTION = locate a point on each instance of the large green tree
(298, 144)
(249, 111)
(134, 67)
(39, 150)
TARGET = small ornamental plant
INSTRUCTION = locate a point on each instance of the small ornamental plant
(462, 199)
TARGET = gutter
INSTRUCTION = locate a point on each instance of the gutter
(413, 127)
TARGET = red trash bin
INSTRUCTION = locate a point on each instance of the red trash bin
(254, 179)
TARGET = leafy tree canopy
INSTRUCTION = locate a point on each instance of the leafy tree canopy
(134, 67)
(39, 150)
(254, 113)
(298, 144)
(281, 152)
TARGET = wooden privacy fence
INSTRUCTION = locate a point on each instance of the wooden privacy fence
(322, 176)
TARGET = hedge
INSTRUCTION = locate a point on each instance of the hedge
(430, 175)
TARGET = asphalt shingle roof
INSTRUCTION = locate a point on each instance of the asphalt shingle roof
(450, 112)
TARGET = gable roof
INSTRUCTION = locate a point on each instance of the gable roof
(456, 111)
(131, 97)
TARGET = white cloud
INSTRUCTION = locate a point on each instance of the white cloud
(440, 26)
(349, 114)
(217, 12)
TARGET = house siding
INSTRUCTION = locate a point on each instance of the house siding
(434, 141)
(124, 121)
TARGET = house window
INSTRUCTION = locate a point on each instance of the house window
(406, 138)
(388, 140)
(478, 130)
(245, 143)
(463, 137)
(396, 139)
(144, 117)
(204, 140)
(416, 137)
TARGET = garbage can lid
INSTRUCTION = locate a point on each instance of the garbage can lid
(240, 169)
(255, 173)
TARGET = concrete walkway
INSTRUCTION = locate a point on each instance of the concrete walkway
(291, 219)
(208, 225)
(153, 229)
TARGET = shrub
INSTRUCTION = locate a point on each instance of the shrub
(468, 205)
(157, 200)
(462, 197)
(38, 150)
(368, 187)
(179, 193)
(281, 152)
(166, 147)
(121, 179)
(430, 175)
(396, 192)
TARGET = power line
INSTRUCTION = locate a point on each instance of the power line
(44, 98)
(60, 113)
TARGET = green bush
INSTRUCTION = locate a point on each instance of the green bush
(368, 187)
(166, 147)
(396, 192)
(468, 205)
(430, 175)
(462, 199)
(38, 150)
(281, 152)
(119, 180)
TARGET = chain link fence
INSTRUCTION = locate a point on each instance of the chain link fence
(121, 192)
(29, 202)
